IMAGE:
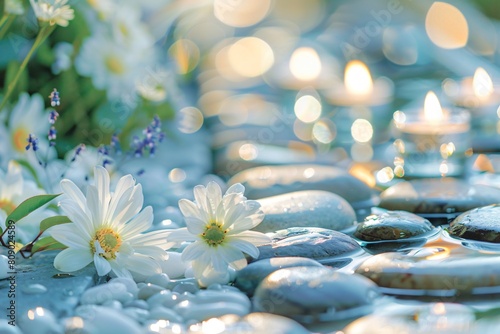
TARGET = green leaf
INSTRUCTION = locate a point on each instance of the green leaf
(28, 206)
(45, 244)
(53, 221)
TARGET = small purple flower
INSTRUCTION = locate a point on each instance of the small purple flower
(115, 143)
(53, 116)
(55, 100)
(52, 135)
(78, 151)
(32, 143)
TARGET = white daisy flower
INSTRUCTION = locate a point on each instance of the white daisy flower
(14, 189)
(27, 116)
(107, 228)
(111, 66)
(53, 11)
(219, 228)
(14, 7)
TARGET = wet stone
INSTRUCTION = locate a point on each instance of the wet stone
(311, 242)
(310, 295)
(149, 290)
(438, 269)
(445, 197)
(257, 323)
(248, 278)
(190, 310)
(34, 289)
(392, 225)
(106, 292)
(39, 320)
(307, 209)
(99, 319)
(482, 224)
(64, 290)
(266, 181)
(184, 287)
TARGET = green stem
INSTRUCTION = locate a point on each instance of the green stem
(40, 38)
(4, 18)
(5, 25)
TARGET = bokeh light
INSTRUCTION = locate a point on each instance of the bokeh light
(250, 57)
(446, 26)
(241, 13)
(307, 108)
(305, 64)
(190, 119)
(362, 130)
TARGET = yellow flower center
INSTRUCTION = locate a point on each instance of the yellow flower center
(214, 235)
(123, 29)
(19, 138)
(114, 64)
(109, 240)
(7, 206)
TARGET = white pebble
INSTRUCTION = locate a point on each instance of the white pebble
(138, 314)
(114, 304)
(5, 328)
(173, 266)
(149, 290)
(103, 293)
(139, 303)
(158, 279)
(105, 320)
(4, 267)
(34, 289)
(39, 320)
(128, 282)
(214, 277)
(211, 296)
(192, 310)
(163, 313)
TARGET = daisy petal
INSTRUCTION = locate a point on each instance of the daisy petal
(73, 192)
(78, 217)
(180, 235)
(194, 225)
(189, 209)
(119, 270)
(233, 256)
(70, 236)
(244, 246)
(101, 176)
(214, 195)
(194, 251)
(154, 238)
(132, 207)
(236, 188)
(124, 185)
(200, 196)
(70, 260)
(254, 237)
(152, 251)
(94, 205)
(138, 224)
(143, 265)
(218, 261)
(101, 265)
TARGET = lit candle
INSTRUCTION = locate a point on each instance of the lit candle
(433, 141)
(306, 67)
(359, 88)
(473, 92)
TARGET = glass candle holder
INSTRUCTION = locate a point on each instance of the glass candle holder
(432, 146)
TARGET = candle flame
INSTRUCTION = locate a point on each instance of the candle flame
(357, 78)
(482, 84)
(432, 108)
